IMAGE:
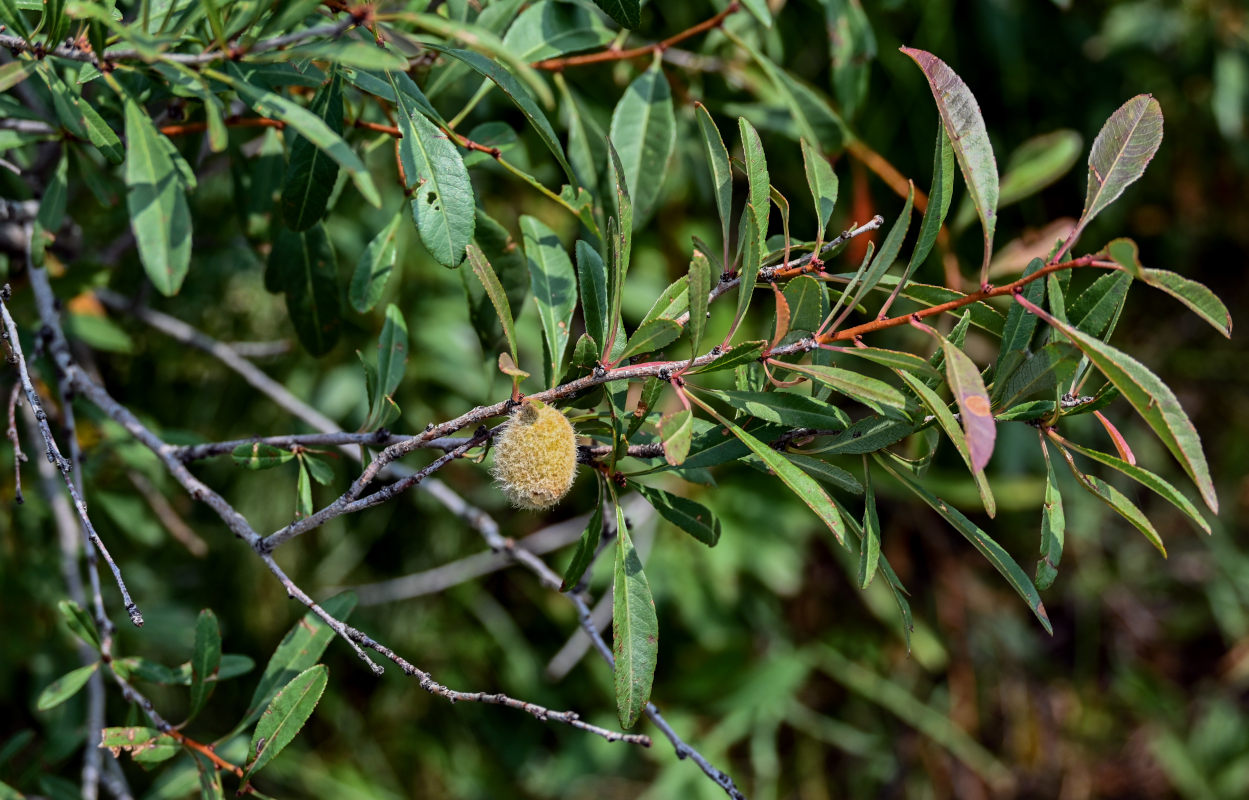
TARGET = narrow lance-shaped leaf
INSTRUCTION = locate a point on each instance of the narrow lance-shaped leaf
(799, 482)
(676, 431)
(554, 287)
(822, 182)
(1053, 526)
(625, 12)
(654, 335)
(757, 180)
(285, 716)
(375, 267)
(965, 126)
(692, 517)
(592, 282)
(587, 546)
(990, 549)
(939, 196)
(205, 659)
(1121, 152)
(721, 170)
(494, 290)
(973, 400)
(888, 253)
(65, 687)
(869, 545)
(306, 272)
(1196, 296)
(79, 622)
(699, 294)
(310, 173)
(1116, 500)
(644, 133)
(1151, 398)
(156, 199)
(752, 261)
(392, 360)
(619, 246)
(635, 629)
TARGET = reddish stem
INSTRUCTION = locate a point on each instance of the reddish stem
(621, 55)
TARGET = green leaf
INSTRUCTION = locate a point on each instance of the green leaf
(323, 473)
(738, 354)
(156, 200)
(990, 549)
(79, 622)
(831, 474)
(306, 272)
(635, 629)
(494, 290)
(798, 481)
(13, 73)
(822, 182)
(547, 29)
(851, 51)
(960, 114)
(346, 52)
(672, 302)
(1018, 330)
(392, 362)
(554, 287)
(1197, 297)
(869, 547)
(887, 254)
(510, 266)
(760, 11)
(785, 408)
(587, 546)
(939, 196)
(676, 431)
(65, 687)
(285, 716)
(139, 741)
(721, 171)
(619, 247)
(1152, 399)
(1145, 478)
(592, 281)
(757, 197)
(260, 456)
(375, 267)
(871, 392)
(441, 193)
(626, 13)
(699, 297)
(895, 359)
(518, 95)
(300, 649)
(983, 315)
(1096, 309)
(1117, 501)
(303, 493)
(644, 133)
(303, 122)
(654, 335)
(973, 404)
(205, 660)
(691, 517)
(752, 261)
(310, 172)
(1121, 152)
(1053, 526)
(808, 304)
(81, 118)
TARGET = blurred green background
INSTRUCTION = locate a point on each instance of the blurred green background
(771, 662)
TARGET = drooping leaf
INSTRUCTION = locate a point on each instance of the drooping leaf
(1121, 152)
(587, 546)
(1117, 501)
(1196, 296)
(303, 493)
(1053, 526)
(801, 484)
(375, 267)
(960, 113)
(547, 29)
(990, 549)
(392, 362)
(895, 359)
(973, 403)
(1151, 398)
(285, 716)
(554, 287)
(828, 473)
(721, 171)
(871, 392)
(310, 173)
(205, 660)
(869, 545)
(785, 408)
(635, 629)
(507, 258)
(441, 193)
(644, 133)
(156, 200)
(699, 292)
(65, 687)
(692, 517)
(79, 622)
(304, 265)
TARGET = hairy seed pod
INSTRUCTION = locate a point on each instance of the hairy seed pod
(535, 456)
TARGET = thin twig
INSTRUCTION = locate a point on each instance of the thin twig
(53, 453)
(620, 55)
(19, 458)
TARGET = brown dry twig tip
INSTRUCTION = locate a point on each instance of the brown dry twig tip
(557, 64)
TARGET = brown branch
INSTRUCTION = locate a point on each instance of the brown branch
(621, 55)
(18, 456)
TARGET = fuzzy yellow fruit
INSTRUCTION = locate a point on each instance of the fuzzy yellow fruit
(535, 456)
